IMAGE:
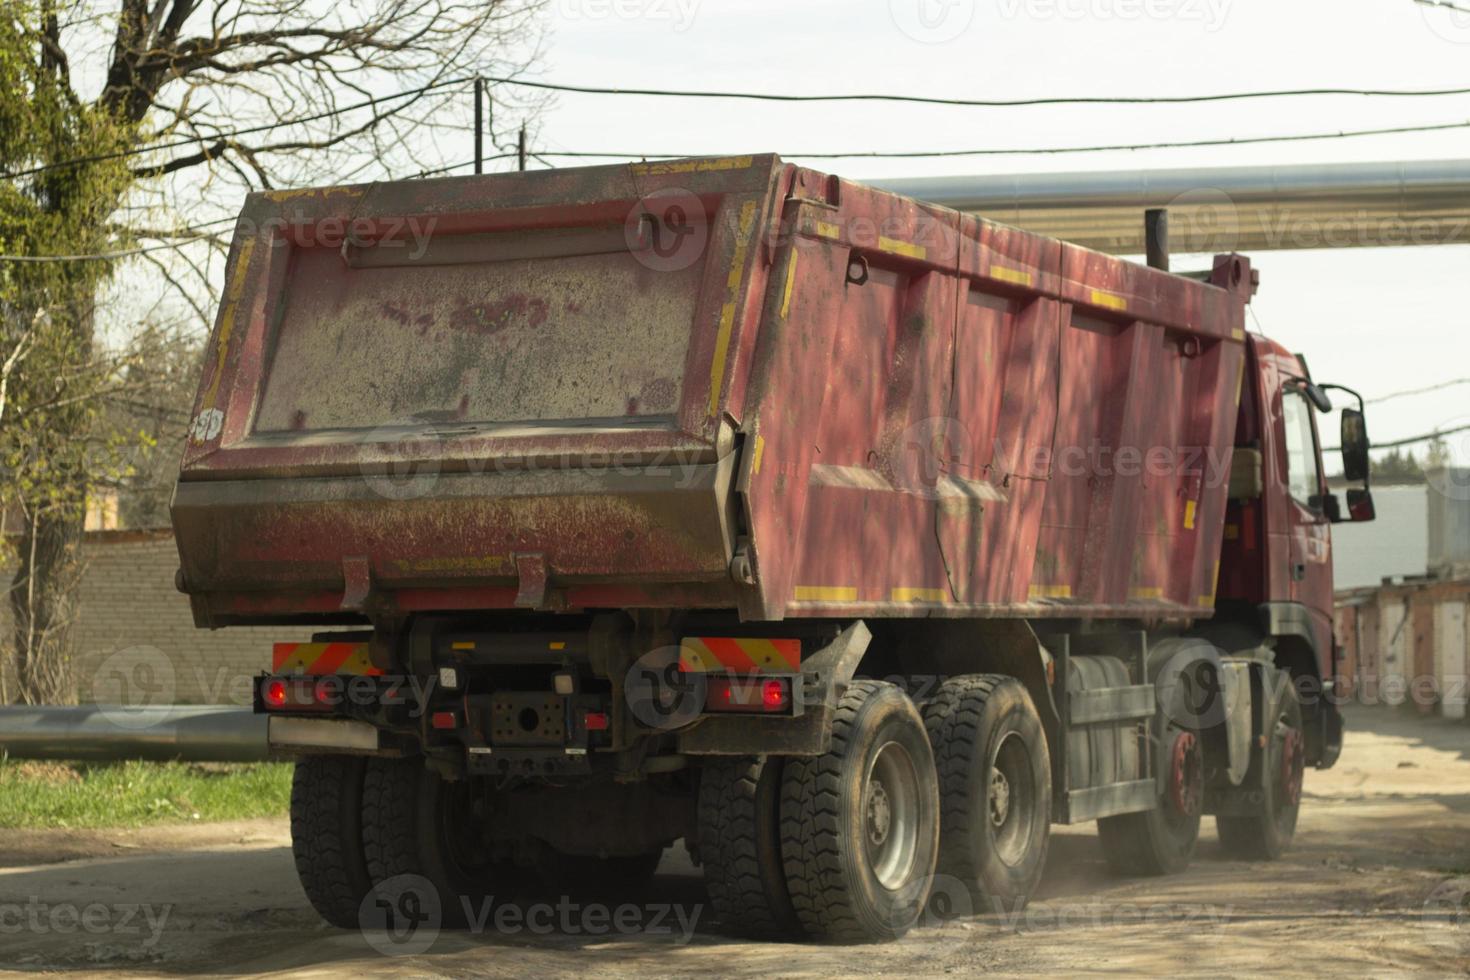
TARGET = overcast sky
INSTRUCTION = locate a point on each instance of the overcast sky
(1378, 320)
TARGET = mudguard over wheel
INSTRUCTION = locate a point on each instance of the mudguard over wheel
(1265, 833)
(995, 788)
(417, 823)
(326, 836)
(860, 824)
(1162, 840)
(740, 846)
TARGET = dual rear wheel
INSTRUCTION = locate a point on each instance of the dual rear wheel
(951, 806)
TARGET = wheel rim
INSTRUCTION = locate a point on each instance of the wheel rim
(1010, 801)
(1186, 777)
(890, 816)
(1292, 762)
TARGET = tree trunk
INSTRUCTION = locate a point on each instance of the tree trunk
(43, 603)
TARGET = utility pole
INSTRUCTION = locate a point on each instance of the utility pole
(479, 125)
(521, 147)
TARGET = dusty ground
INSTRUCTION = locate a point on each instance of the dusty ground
(1373, 888)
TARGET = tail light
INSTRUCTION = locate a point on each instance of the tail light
(295, 694)
(754, 695)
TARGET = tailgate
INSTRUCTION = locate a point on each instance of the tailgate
(431, 380)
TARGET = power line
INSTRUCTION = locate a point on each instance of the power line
(1429, 437)
(1417, 391)
(985, 103)
(1046, 151)
(214, 137)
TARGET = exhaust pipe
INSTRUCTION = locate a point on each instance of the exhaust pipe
(162, 733)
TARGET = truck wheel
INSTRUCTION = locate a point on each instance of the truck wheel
(1161, 841)
(326, 836)
(417, 823)
(860, 824)
(1265, 834)
(740, 845)
(995, 788)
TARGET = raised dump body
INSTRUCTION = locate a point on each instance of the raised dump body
(724, 383)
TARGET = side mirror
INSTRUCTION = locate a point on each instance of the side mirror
(1354, 446)
(1360, 506)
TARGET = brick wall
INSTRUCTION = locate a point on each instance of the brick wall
(135, 640)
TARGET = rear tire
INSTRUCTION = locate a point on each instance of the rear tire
(995, 788)
(416, 823)
(1266, 833)
(860, 824)
(1161, 841)
(326, 836)
(740, 846)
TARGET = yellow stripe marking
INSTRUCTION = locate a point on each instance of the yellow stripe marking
(764, 653)
(1189, 510)
(790, 281)
(660, 168)
(826, 593)
(919, 595)
(1146, 593)
(557, 645)
(227, 318)
(1050, 592)
(1016, 276)
(1111, 301)
(758, 454)
(1237, 334)
(695, 656)
(462, 645)
(727, 312)
(902, 248)
(828, 230)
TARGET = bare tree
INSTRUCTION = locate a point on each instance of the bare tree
(129, 120)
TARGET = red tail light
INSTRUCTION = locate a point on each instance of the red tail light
(756, 695)
(274, 693)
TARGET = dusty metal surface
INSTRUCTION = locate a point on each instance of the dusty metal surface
(617, 376)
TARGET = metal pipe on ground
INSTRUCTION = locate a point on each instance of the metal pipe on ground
(187, 733)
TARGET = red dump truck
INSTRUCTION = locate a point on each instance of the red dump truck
(850, 540)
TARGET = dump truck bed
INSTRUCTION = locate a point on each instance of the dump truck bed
(718, 383)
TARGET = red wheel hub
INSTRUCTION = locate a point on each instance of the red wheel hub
(1186, 775)
(1292, 758)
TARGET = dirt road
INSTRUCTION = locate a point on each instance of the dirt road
(1374, 887)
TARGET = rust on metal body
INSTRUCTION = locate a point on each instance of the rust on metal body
(503, 390)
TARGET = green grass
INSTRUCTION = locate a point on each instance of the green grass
(130, 794)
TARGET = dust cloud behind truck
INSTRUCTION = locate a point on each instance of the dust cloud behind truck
(852, 541)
